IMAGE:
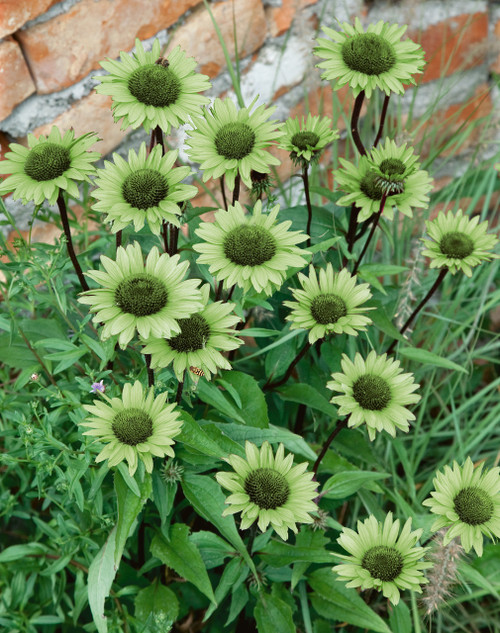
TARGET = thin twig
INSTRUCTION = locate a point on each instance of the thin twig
(382, 119)
(165, 235)
(291, 367)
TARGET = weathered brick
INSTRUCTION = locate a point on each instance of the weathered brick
(495, 46)
(91, 114)
(15, 80)
(280, 18)
(198, 38)
(65, 49)
(448, 45)
(15, 13)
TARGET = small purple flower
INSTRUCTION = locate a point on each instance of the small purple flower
(98, 386)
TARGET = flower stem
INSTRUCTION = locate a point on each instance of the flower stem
(354, 123)
(288, 373)
(180, 386)
(223, 191)
(69, 242)
(174, 232)
(230, 294)
(151, 374)
(339, 426)
(118, 239)
(305, 178)
(353, 223)
(218, 289)
(435, 286)
(374, 226)
(382, 119)
(236, 192)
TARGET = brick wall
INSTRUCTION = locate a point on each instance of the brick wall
(49, 51)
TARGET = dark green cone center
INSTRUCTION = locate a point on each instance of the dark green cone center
(473, 505)
(47, 161)
(154, 84)
(267, 488)
(368, 53)
(132, 426)
(303, 140)
(384, 563)
(248, 245)
(328, 308)
(141, 295)
(371, 392)
(370, 186)
(456, 245)
(145, 188)
(392, 166)
(193, 336)
(235, 140)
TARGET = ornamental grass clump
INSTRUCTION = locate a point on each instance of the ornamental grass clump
(251, 416)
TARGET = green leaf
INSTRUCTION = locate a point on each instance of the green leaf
(429, 358)
(129, 506)
(14, 353)
(281, 341)
(193, 435)
(332, 599)
(102, 572)
(323, 246)
(156, 600)
(130, 481)
(15, 552)
(232, 572)
(310, 539)
(254, 407)
(306, 394)
(207, 498)
(383, 323)
(273, 615)
(279, 554)
(379, 270)
(400, 618)
(183, 556)
(346, 483)
(274, 434)
(209, 393)
(213, 548)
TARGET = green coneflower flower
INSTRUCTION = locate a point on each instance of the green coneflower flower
(203, 336)
(151, 91)
(329, 304)
(306, 141)
(146, 188)
(468, 501)
(375, 391)
(149, 298)
(252, 250)
(367, 60)
(457, 242)
(392, 167)
(49, 164)
(261, 183)
(227, 141)
(381, 558)
(137, 425)
(268, 489)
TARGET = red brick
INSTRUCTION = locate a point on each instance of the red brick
(90, 114)
(15, 13)
(495, 45)
(15, 80)
(448, 45)
(65, 49)
(281, 18)
(198, 38)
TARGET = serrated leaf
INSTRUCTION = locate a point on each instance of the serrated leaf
(253, 402)
(155, 602)
(129, 506)
(279, 554)
(332, 599)
(273, 615)
(102, 572)
(400, 618)
(429, 358)
(183, 556)
(193, 435)
(207, 498)
(231, 573)
(344, 484)
(209, 393)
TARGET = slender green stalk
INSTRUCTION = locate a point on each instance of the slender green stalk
(382, 119)
(69, 242)
(354, 123)
(435, 286)
(305, 178)
(339, 426)
(374, 226)
(281, 381)
(304, 607)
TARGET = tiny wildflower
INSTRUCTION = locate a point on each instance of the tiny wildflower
(98, 387)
